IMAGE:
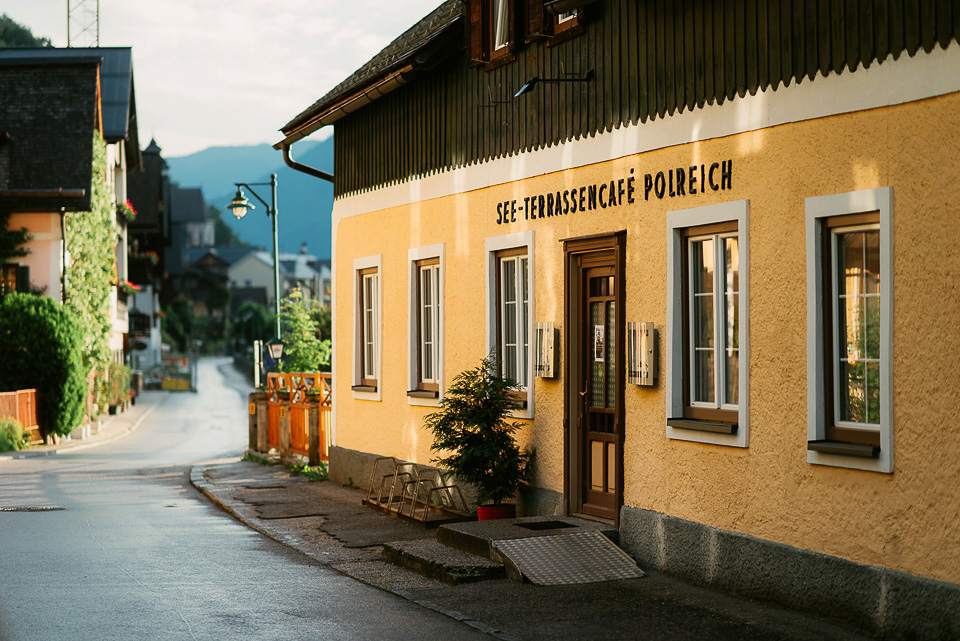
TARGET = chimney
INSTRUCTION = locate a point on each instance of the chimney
(303, 248)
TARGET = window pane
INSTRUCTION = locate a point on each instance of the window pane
(872, 393)
(732, 392)
(871, 327)
(510, 362)
(852, 391)
(850, 332)
(703, 382)
(597, 369)
(611, 333)
(500, 24)
(850, 265)
(703, 319)
(731, 263)
(871, 261)
(508, 282)
(524, 325)
(702, 272)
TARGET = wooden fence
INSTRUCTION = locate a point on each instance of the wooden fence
(22, 405)
(295, 403)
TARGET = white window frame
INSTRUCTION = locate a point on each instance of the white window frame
(413, 366)
(677, 222)
(719, 295)
(367, 262)
(818, 208)
(568, 15)
(430, 274)
(496, 244)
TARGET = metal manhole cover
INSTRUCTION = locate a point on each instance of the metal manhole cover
(32, 508)
(567, 559)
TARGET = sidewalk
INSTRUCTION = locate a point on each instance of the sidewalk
(113, 428)
(327, 523)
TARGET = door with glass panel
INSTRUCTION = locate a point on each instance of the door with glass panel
(600, 425)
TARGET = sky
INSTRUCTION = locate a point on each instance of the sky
(231, 72)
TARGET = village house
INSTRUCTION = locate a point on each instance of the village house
(714, 242)
(54, 102)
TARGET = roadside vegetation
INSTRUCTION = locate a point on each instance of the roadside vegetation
(315, 473)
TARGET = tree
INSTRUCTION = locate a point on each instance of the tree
(40, 347)
(471, 428)
(13, 34)
(303, 351)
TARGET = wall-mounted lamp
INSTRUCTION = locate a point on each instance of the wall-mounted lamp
(534, 81)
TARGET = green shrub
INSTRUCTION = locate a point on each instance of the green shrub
(40, 347)
(11, 434)
(474, 437)
(118, 383)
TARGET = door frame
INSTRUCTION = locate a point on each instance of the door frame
(574, 250)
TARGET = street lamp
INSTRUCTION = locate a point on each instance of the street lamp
(239, 206)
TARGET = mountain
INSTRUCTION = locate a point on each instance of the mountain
(304, 202)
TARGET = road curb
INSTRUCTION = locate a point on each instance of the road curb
(85, 446)
(206, 488)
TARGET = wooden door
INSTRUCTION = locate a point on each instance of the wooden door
(600, 452)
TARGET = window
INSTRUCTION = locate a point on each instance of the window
(707, 355)
(565, 21)
(14, 278)
(510, 309)
(8, 279)
(849, 331)
(499, 25)
(367, 328)
(426, 325)
(492, 31)
(711, 319)
(513, 331)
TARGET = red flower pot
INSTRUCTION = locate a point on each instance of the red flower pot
(493, 512)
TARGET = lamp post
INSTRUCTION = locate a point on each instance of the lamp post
(239, 206)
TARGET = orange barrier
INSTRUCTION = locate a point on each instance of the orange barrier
(291, 395)
(22, 405)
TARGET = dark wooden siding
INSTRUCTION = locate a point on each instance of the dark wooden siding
(652, 58)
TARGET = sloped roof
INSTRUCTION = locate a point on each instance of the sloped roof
(49, 111)
(187, 205)
(116, 81)
(390, 58)
(229, 254)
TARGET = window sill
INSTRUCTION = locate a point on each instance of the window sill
(364, 388)
(422, 393)
(844, 449)
(702, 426)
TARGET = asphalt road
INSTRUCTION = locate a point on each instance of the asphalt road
(136, 553)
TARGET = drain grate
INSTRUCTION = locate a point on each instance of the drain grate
(32, 508)
(545, 525)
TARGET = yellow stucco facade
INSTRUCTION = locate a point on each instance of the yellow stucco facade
(908, 520)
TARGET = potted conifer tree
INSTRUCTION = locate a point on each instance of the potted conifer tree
(476, 441)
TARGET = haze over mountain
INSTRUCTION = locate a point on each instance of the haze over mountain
(304, 202)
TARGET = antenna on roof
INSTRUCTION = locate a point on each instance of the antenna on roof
(83, 23)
